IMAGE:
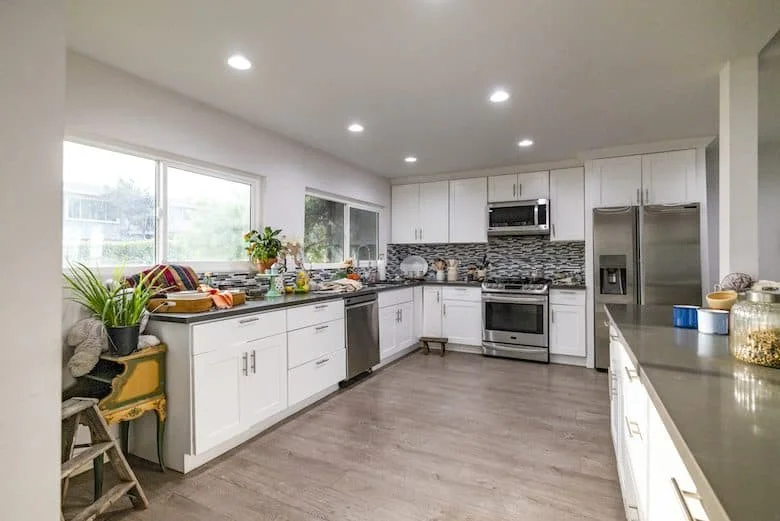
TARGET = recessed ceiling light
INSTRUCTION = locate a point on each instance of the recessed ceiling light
(410, 159)
(525, 143)
(240, 62)
(499, 96)
(355, 127)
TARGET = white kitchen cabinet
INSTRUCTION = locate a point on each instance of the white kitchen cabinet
(396, 324)
(468, 210)
(418, 312)
(432, 311)
(217, 378)
(462, 322)
(567, 204)
(420, 213)
(617, 181)
(263, 386)
(405, 329)
(388, 321)
(567, 330)
(317, 375)
(519, 187)
(669, 177)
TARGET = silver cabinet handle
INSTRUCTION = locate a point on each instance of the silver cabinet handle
(632, 374)
(444, 309)
(635, 517)
(321, 328)
(647, 195)
(254, 361)
(519, 189)
(614, 337)
(552, 317)
(245, 369)
(320, 307)
(249, 320)
(633, 429)
(401, 314)
(683, 496)
(606, 323)
(564, 292)
(415, 234)
(323, 361)
(438, 297)
(638, 196)
(553, 230)
(514, 190)
(421, 234)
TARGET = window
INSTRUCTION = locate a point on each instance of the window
(111, 203)
(332, 228)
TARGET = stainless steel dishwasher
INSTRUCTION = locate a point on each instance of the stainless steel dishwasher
(362, 334)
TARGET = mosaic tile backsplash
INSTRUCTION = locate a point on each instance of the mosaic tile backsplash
(510, 256)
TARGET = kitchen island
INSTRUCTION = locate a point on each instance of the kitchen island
(722, 415)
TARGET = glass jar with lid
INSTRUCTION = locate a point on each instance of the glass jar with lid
(755, 328)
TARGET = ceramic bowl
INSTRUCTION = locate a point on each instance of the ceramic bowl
(713, 321)
(722, 300)
(685, 316)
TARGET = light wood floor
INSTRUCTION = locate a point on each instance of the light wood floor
(428, 438)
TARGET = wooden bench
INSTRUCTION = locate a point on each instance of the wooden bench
(426, 340)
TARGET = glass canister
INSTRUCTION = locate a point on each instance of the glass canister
(755, 328)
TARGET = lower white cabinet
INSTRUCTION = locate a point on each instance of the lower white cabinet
(236, 387)
(567, 323)
(317, 375)
(462, 322)
(396, 327)
(432, 311)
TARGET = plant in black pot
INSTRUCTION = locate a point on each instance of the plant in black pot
(117, 304)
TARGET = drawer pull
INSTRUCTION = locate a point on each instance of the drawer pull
(321, 328)
(633, 429)
(245, 361)
(248, 320)
(323, 361)
(320, 307)
(566, 292)
(614, 337)
(682, 496)
(632, 374)
(254, 361)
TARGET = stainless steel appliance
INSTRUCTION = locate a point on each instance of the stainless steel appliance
(515, 316)
(643, 255)
(362, 324)
(519, 218)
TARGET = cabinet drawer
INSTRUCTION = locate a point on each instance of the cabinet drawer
(304, 345)
(395, 297)
(222, 333)
(464, 294)
(312, 377)
(313, 314)
(567, 297)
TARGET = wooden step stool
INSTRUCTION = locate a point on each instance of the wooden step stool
(77, 411)
(436, 340)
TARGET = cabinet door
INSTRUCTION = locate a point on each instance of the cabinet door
(434, 212)
(404, 333)
(567, 330)
(502, 188)
(432, 311)
(669, 177)
(405, 215)
(468, 210)
(567, 205)
(217, 396)
(264, 388)
(534, 185)
(619, 180)
(418, 312)
(388, 323)
(462, 322)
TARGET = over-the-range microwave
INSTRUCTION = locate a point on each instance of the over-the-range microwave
(519, 218)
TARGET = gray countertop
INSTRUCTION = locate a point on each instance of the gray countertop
(723, 415)
(269, 304)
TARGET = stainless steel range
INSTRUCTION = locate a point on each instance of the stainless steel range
(515, 318)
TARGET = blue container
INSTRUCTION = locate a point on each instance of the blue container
(685, 316)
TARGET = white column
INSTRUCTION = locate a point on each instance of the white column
(739, 167)
(32, 107)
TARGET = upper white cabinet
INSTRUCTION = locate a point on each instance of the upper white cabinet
(519, 187)
(617, 181)
(468, 210)
(420, 213)
(669, 177)
(567, 204)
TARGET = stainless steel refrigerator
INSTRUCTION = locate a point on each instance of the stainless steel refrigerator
(643, 255)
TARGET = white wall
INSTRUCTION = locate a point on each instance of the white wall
(32, 84)
(769, 211)
(104, 102)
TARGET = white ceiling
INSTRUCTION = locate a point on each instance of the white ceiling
(417, 73)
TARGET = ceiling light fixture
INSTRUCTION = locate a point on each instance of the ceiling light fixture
(525, 143)
(410, 159)
(239, 62)
(355, 127)
(499, 96)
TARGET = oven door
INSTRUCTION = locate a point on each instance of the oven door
(515, 319)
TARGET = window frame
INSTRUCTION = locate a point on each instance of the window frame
(348, 203)
(163, 161)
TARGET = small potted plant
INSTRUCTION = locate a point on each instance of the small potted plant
(117, 304)
(263, 247)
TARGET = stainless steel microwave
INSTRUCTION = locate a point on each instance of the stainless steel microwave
(519, 218)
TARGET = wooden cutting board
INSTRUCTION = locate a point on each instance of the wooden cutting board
(162, 305)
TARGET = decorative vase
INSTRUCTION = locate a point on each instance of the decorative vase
(123, 340)
(264, 264)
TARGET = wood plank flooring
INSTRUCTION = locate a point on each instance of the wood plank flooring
(459, 438)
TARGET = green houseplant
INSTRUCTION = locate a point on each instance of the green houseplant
(263, 247)
(117, 304)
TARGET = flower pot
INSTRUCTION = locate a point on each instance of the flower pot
(264, 264)
(123, 340)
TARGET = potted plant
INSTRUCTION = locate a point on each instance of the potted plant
(263, 247)
(117, 304)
